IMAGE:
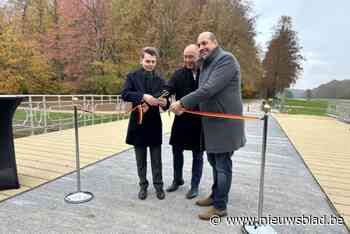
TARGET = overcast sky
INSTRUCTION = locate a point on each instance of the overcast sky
(324, 33)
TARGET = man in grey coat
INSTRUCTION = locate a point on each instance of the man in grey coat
(219, 91)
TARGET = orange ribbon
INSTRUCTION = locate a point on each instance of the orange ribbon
(221, 115)
(140, 116)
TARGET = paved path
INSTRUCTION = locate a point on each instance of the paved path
(290, 190)
(324, 144)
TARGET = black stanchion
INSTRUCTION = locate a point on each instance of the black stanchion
(78, 196)
(259, 227)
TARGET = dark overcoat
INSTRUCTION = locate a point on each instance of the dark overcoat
(219, 91)
(149, 133)
(186, 128)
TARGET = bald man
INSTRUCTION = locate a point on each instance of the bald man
(186, 129)
(219, 91)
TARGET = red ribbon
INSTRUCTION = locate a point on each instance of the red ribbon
(201, 113)
(221, 115)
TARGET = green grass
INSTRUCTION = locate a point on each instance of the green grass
(305, 107)
(20, 115)
(66, 121)
(312, 103)
(54, 116)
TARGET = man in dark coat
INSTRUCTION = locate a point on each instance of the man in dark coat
(219, 91)
(143, 87)
(186, 129)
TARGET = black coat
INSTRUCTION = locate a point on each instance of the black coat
(149, 133)
(219, 91)
(186, 129)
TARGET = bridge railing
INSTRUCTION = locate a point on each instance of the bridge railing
(339, 110)
(45, 113)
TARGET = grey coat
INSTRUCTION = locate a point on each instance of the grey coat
(219, 91)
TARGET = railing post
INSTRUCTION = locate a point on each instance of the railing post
(118, 108)
(31, 117)
(101, 116)
(45, 113)
(93, 109)
(110, 102)
(84, 115)
(59, 108)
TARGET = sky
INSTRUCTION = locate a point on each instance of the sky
(323, 29)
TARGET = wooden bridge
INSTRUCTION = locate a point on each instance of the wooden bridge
(321, 142)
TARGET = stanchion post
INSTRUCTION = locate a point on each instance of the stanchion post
(78, 196)
(77, 153)
(262, 168)
(260, 228)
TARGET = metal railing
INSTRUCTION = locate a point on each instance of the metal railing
(339, 110)
(44, 113)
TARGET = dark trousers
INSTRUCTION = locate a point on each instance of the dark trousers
(156, 163)
(197, 165)
(222, 174)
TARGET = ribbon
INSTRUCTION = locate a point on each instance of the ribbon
(201, 113)
(140, 113)
(140, 110)
(222, 115)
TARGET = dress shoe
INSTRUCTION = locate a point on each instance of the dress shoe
(175, 185)
(143, 194)
(205, 202)
(211, 212)
(193, 192)
(160, 194)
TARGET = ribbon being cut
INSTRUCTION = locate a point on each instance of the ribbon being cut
(201, 113)
(141, 112)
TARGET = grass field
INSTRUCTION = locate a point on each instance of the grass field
(305, 107)
(58, 121)
(21, 115)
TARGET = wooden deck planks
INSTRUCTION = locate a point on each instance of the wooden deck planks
(323, 143)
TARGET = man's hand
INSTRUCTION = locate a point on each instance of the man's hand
(177, 108)
(162, 102)
(144, 107)
(151, 100)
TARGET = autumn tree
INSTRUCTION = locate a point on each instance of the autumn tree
(92, 44)
(282, 61)
(23, 69)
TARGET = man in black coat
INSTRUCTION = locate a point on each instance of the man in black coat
(186, 129)
(219, 91)
(143, 87)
